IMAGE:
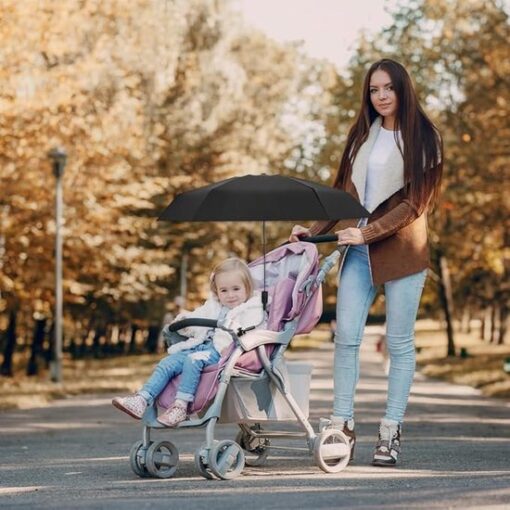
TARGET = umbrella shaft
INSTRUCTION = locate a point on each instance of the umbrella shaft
(264, 294)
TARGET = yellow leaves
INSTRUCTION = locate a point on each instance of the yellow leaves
(150, 98)
(91, 240)
(6, 284)
(502, 102)
(158, 129)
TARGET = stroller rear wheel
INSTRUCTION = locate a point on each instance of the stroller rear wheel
(226, 459)
(331, 450)
(256, 449)
(137, 456)
(162, 459)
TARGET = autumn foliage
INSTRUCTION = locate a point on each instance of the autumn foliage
(152, 97)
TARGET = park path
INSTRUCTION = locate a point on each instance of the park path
(456, 451)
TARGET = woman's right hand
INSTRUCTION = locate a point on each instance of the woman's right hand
(297, 232)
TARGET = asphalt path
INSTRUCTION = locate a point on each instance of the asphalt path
(73, 454)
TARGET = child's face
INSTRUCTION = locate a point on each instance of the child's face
(230, 289)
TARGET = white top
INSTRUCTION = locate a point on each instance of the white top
(383, 147)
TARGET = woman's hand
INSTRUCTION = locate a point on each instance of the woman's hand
(297, 232)
(350, 236)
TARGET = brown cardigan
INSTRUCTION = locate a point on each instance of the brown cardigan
(396, 232)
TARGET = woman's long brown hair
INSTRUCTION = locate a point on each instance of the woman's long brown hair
(422, 148)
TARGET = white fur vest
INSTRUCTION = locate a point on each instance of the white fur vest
(249, 313)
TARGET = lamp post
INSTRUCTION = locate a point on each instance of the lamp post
(58, 156)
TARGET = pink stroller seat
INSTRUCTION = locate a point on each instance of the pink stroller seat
(208, 385)
(288, 271)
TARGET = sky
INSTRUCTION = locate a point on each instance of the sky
(329, 28)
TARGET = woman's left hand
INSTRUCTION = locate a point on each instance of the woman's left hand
(350, 236)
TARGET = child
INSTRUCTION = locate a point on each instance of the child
(235, 305)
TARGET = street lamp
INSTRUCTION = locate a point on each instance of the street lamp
(58, 156)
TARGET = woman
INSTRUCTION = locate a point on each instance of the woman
(392, 164)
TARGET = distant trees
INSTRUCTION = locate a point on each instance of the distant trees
(152, 97)
(149, 98)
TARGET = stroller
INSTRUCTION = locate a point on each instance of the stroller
(253, 383)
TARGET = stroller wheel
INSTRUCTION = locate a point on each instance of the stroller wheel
(137, 456)
(162, 459)
(255, 448)
(332, 451)
(201, 462)
(226, 459)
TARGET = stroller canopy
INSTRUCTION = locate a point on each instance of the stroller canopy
(291, 271)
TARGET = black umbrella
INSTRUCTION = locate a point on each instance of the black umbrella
(263, 197)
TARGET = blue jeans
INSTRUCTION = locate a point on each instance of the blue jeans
(189, 363)
(356, 294)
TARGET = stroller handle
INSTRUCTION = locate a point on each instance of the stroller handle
(327, 238)
(206, 323)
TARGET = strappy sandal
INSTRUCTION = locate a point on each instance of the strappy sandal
(173, 416)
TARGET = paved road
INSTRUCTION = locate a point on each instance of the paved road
(73, 455)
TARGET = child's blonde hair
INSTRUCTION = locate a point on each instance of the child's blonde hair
(233, 264)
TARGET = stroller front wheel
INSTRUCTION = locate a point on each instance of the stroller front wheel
(162, 459)
(331, 450)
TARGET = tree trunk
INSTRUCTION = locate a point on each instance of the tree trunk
(49, 353)
(37, 347)
(494, 310)
(152, 339)
(10, 345)
(445, 296)
(82, 348)
(73, 348)
(503, 322)
(96, 343)
(120, 347)
(482, 326)
(132, 342)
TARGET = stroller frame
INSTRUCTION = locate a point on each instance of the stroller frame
(226, 459)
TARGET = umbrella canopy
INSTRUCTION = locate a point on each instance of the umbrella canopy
(263, 197)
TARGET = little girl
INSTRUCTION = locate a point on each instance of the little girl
(235, 305)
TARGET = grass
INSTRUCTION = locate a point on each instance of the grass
(120, 374)
(482, 367)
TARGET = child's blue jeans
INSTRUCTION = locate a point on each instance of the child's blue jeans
(189, 363)
(355, 296)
